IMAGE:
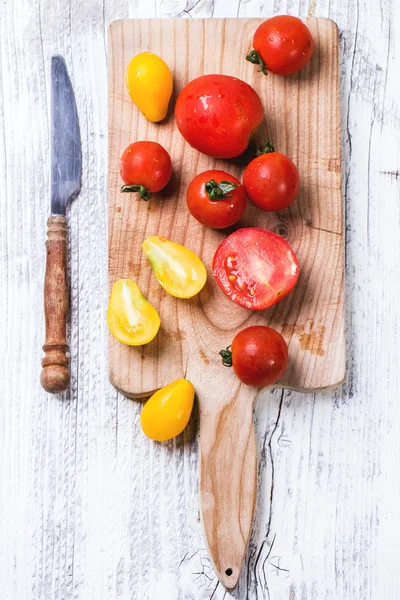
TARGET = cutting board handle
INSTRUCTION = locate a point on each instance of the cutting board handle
(228, 481)
(55, 373)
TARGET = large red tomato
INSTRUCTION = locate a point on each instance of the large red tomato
(271, 181)
(216, 199)
(259, 355)
(255, 268)
(217, 115)
(282, 45)
(145, 168)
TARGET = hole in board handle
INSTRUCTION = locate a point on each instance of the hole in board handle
(228, 572)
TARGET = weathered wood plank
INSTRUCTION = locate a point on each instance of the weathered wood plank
(89, 509)
(302, 120)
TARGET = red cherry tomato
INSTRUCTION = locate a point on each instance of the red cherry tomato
(145, 168)
(217, 114)
(255, 268)
(259, 356)
(271, 181)
(216, 199)
(282, 45)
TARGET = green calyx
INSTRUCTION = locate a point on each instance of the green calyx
(140, 189)
(266, 150)
(221, 190)
(226, 356)
(256, 59)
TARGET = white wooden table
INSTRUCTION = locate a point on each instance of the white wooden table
(88, 508)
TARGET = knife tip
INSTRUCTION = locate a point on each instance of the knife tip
(57, 58)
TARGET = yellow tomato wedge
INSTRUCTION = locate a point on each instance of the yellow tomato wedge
(131, 318)
(178, 270)
(149, 83)
(166, 414)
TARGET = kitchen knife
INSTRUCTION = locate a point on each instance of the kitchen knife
(66, 171)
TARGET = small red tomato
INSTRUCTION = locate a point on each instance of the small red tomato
(217, 115)
(145, 168)
(282, 45)
(216, 199)
(255, 268)
(271, 181)
(259, 356)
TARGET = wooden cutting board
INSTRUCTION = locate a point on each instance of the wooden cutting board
(303, 121)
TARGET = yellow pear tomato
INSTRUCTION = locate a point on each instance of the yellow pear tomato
(178, 270)
(131, 318)
(149, 83)
(166, 414)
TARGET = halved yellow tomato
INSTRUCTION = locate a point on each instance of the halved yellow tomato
(149, 83)
(131, 318)
(178, 270)
(166, 414)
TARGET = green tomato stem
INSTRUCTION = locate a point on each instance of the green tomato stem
(140, 189)
(221, 190)
(226, 356)
(266, 150)
(255, 58)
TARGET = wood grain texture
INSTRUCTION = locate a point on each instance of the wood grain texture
(55, 374)
(89, 509)
(193, 331)
(228, 478)
(302, 120)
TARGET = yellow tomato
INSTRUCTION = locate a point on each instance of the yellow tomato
(149, 83)
(166, 414)
(131, 318)
(178, 270)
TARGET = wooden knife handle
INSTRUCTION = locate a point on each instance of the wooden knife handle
(228, 482)
(55, 373)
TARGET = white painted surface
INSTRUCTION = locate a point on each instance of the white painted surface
(89, 509)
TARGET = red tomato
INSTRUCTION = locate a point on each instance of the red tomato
(255, 268)
(282, 45)
(216, 199)
(259, 356)
(217, 114)
(271, 181)
(145, 168)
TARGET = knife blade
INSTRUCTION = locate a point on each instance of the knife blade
(66, 153)
(65, 184)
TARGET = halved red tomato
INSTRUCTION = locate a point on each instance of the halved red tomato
(255, 268)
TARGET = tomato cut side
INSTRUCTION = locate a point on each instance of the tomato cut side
(131, 319)
(255, 268)
(177, 269)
